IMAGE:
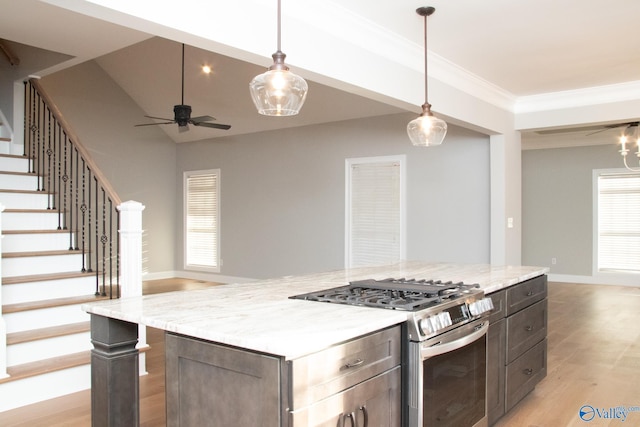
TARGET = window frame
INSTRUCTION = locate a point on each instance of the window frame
(606, 273)
(197, 267)
(401, 160)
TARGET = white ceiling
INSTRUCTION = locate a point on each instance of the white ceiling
(524, 47)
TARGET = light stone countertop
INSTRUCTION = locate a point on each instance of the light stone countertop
(260, 316)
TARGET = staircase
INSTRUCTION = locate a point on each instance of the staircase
(47, 342)
(60, 249)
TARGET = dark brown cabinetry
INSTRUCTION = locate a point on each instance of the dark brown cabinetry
(517, 349)
(354, 383)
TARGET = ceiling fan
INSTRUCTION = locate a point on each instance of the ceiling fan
(182, 114)
(594, 128)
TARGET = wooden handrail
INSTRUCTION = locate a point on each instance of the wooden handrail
(81, 148)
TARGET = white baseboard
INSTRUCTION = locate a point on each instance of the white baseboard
(196, 275)
(604, 279)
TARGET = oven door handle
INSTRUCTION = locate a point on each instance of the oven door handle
(437, 349)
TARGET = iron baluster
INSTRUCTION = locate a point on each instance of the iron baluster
(49, 152)
(83, 209)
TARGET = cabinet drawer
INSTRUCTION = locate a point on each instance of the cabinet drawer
(375, 402)
(499, 300)
(526, 328)
(526, 293)
(330, 371)
(524, 373)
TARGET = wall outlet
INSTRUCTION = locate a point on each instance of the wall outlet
(553, 261)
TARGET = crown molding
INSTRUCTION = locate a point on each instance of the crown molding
(607, 94)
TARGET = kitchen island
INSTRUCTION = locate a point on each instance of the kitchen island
(257, 318)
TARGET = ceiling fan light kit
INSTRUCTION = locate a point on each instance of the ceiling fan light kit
(624, 139)
(427, 130)
(278, 91)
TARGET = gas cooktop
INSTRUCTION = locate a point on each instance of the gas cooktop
(395, 294)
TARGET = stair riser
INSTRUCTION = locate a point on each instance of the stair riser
(24, 201)
(29, 221)
(11, 164)
(32, 351)
(12, 267)
(44, 318)
(50, 289)
(5, 146)
(43, 387)
(35, 242)
(19, 182)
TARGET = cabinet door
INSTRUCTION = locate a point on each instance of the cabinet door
(496, 356)
(209, 384)
(372, 403)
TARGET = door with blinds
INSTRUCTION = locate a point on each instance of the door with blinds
(375, 211)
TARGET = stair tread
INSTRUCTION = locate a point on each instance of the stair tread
(18, 173)
(49, 303)
(32, 211)
(18, 191)
(46, 276)
(15, 156)
(2, 138)
(50, 332)
(46, 231)
(45, 366)
(41, 253)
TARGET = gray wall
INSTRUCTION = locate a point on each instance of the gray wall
(139, 162)
(557, 205)
(282, 194)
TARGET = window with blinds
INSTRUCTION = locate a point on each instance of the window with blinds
(202, 220)
(618, 222)
(375, 211)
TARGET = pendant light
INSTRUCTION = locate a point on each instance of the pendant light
(427, 130)
(278, 92)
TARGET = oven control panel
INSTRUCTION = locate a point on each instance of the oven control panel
(448, 317)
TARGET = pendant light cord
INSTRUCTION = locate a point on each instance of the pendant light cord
(279, 25)
(426, 85)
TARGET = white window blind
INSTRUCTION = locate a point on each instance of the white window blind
(374, 212)
(619, 222)
(202, 219)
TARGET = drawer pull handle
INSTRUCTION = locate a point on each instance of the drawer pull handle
(351, 416)
(528, 371)
(529, 292)
(365, 415)
(355, 363)
(528, 328)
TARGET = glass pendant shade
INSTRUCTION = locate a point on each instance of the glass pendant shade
(427, 130)
(278, 92)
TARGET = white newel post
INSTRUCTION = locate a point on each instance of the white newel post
(131, 261)
(3, 326)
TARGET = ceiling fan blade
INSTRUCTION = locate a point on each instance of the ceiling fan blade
(213, 125)
(153, 124)
(160, 118)
(202, 119)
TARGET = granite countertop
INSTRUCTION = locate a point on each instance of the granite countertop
(260, 316)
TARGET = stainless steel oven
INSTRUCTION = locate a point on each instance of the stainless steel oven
(445, 362)
(447, 378)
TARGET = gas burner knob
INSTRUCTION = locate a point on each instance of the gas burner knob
(435, 323)
(425, 326)
(481, 306)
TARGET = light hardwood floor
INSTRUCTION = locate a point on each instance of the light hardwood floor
(594, 359)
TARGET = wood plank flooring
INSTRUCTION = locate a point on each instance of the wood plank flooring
(594, 359)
